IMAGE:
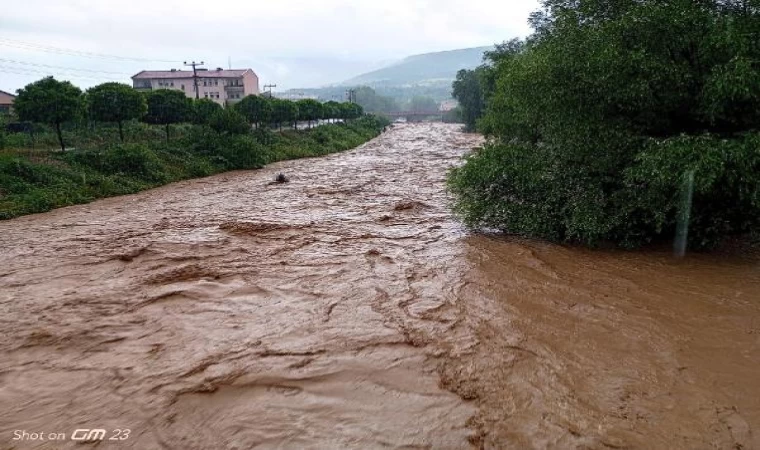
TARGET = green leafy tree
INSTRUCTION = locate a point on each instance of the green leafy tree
(257, 109)
(350, 111)
(466, 90)
(284, 111)
(309, 110)
(597, 119)
(229, 121)
(372, 102)
(167, 107)
(330, 110)
(51, 102)
(115, 102)
(203, 110)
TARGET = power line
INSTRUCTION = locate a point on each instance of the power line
(26, 63)
(71, 52)
(24, 71)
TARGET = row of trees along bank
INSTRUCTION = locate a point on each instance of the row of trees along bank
(205, 139)
(55, 103)
(601, 118)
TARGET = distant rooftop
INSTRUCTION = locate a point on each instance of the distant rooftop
(7, 93)
(179, 74)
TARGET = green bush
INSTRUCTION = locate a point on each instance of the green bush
(228, 121)
(508, 187)
(726, 189)
(135, 160)
(242, 152)
(203, 110)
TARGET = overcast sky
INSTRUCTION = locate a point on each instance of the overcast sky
(293, 43)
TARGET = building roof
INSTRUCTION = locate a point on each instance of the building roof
(179, 74)
(7, 93)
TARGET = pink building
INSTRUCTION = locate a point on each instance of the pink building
(221, 86)
(6, 102)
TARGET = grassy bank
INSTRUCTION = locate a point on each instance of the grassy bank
(34, 178)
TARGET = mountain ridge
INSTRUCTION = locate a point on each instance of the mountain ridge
(422, 68)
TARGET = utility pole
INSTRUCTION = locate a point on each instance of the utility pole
(195, 76)
(269, 86)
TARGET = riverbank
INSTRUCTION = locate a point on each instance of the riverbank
(33, 181)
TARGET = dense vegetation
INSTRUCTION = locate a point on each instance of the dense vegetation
(598, 118)
(109, 152)
(383, 100)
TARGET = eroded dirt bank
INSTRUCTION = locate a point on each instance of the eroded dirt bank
(347, 309)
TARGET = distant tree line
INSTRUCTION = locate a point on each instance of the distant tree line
(599, 120)
(400, 96)
(55, 103)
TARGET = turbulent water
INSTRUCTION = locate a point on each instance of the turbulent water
(348, 309)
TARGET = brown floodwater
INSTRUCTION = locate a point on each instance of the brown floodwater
(349, 309)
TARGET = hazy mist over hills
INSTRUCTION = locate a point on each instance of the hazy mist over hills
(424, 68)
(427, 74)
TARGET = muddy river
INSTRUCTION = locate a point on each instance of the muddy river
(349, 309)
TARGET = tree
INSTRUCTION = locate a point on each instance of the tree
(204, 109)
(229, 121)
(167, 107)
(115, 102)
(422, 104)
(256, 109)
(309, 110)
(602, 114)
(50, 101)
(374, 103)
(350, 111)
(284, 111)
(330, 110)
(466, 90)
(357, 111)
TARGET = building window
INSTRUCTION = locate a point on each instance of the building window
(205, 94)
(182, 86)
(172, 84)
(216, 82)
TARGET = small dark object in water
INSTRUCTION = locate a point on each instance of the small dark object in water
(281, 178)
